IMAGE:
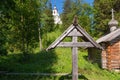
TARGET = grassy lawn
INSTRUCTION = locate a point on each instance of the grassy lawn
(55, 61)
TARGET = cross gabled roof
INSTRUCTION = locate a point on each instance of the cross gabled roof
(68, 31)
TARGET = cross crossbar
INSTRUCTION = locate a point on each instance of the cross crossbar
(75, 44)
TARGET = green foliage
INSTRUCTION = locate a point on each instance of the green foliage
(3, 38)
(24, 24)
(102, 15)
(3, 51)
(39, 62)
(21, 22)
(50, 37)
(49, 21)
(82, 10)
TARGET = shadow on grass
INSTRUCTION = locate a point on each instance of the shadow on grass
(93, 61)
(69, 77)
(38, 62)
(33, 77)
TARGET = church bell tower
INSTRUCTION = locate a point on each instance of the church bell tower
(56, 16)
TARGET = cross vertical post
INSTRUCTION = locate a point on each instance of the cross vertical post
(74, 60)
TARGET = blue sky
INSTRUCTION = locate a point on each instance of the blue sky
(59, 4)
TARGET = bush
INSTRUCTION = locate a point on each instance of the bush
(3, 51)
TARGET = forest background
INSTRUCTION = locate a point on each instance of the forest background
(27, 26)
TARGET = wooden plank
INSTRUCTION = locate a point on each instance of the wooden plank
(88, 36)
(74, 60)
(59, 39)
(39, 74)
(75, 33)
(75, 44)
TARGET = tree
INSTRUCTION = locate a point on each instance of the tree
(3, 50)
(24, 21)
(102, 15)
(82, 10)
(47, 22)
(65, 15)
(40, 8)
(48, 18)
(24, 24)
(5, 8)
(21, 20)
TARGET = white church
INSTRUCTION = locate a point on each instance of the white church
(56, 16)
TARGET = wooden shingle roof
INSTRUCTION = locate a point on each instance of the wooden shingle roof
(109, 37)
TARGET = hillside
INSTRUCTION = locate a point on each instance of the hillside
(58, 61)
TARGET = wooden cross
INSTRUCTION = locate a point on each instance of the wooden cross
(74, 31)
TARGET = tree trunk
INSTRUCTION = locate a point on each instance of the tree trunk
(40, 40)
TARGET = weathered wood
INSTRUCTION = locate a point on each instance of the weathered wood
(75, 21)
(74, 60)
(104, 60)
(59, 39)
(74, 33)
(109, 58)
(85, 34)
(109, 37)
(68, 31)
(75, 44)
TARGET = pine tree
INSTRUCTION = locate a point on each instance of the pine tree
(3, 38)
(103, 15)
(6, 7)
(66, 11)
(82, 10)
(47, 21)
(21, 20)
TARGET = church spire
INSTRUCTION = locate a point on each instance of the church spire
(113, 23)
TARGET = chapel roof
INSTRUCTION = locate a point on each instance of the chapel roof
(115, 32)
(109, 37)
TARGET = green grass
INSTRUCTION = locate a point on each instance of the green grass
(56, 61)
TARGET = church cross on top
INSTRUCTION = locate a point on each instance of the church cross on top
(112, 14)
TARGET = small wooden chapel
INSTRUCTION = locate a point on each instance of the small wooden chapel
(110, 55)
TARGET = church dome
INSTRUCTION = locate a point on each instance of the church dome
(113, 22)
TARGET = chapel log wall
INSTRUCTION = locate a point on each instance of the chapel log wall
(113, 56)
